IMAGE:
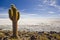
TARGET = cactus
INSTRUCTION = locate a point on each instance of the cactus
(14, 16)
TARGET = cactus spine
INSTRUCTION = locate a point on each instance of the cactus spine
(14, 16)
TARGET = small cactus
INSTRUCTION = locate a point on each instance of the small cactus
(14, 16)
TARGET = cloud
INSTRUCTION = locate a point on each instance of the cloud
(3, 15)
(25, 19)
(45, 1)
(3, 12)
(49, 2)
(2, 9)
(40, 5)
(32, 14)
(28, 19)
(5, 21)
(29, 15)
(51, 12)
(38, 9)
(52, 3)
(23, 10)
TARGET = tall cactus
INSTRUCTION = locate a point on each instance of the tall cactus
(14, 16)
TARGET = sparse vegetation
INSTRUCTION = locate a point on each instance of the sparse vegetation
(31, 35)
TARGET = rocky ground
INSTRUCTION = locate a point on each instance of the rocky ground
(23, 35)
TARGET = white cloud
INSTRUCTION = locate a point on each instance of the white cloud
(51, 3)
(29, 15)
(23, 10)
(57, 6)
(3, 9)
(2, 15)
(45, 1)
(3, 12)
(28, 19)
(51, 12)
(38, 9)
(40, 5)
(5, 21)
(32, 14)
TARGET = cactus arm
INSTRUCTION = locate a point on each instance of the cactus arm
(14, 12)
(10, 14)
(18, 15)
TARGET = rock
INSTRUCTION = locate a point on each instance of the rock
(6, 38)
(1, 38)
(33, 37)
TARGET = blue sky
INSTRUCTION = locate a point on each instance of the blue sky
(32, 8)
(31, 11)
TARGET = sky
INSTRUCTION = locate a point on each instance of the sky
(30, 10)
